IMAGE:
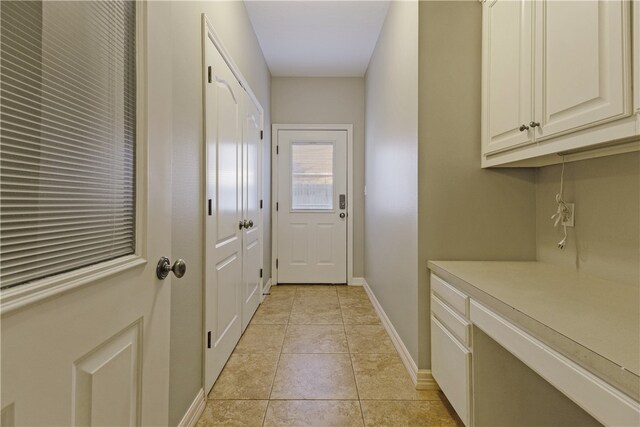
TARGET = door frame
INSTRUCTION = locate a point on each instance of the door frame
(209, 33)
(275, 128)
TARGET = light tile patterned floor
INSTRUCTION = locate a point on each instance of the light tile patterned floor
(318, 356)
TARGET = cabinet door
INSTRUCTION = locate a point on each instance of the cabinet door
(582, 64)
(451, 368)
(507, 74)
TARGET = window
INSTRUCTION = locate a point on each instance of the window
(67, 136)
(312, 176)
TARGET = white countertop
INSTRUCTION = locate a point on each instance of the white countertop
(600, 315)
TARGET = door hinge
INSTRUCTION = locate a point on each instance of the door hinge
(277, 149)
(261, 134)
(261, 273)
(209, 73)
(260, 204)
(209, 339)
(277, 206)
(276, 262)
(210, 203)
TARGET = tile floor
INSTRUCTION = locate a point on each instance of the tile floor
(318, 356)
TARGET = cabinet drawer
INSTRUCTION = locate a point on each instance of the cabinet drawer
(450, 295)
(449, 318)
(451, 368)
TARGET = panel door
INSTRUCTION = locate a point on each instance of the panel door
(98, 354)
(312, 194)
(223, 236)
(252, 234)
(582, 64)
(507, 74)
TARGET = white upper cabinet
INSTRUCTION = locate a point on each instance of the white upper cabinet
(581, 64)
(508, 93)
(556, 79)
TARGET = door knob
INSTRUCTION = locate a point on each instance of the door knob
(179, 268)
(342, 215)
(250, 223)
(523, 128)
(242, 224)
(534, 124)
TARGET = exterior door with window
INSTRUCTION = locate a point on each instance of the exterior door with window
(312, 206)
(85, 213)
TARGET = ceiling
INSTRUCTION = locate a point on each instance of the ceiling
(312, 38)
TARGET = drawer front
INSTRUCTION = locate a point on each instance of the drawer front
(450, 295)
(451, 320)
(451, 368)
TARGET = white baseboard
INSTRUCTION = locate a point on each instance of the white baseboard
(356, 281)
(408, 361)
(266, 289)
(195, 410)
(426, 380)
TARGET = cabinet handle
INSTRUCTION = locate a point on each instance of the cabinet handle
(523, 128)
(534, 124)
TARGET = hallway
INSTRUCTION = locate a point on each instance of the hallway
(318, 356)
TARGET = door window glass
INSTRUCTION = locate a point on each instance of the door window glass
(312, 176)
(67, 136)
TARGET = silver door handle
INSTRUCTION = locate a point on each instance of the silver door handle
(250, 223)
(342, 215)
(179, 268)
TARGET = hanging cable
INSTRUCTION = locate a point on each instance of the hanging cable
(563, 212)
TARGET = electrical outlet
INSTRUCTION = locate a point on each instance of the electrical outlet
(569, 218)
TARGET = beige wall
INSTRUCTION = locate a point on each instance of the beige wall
(391, 171)
(606, 239)
(234, 28)
(331, 100)
(465, 212)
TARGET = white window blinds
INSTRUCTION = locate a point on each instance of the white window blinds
(67, 136)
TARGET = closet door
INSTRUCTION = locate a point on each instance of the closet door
(582, 71)
(252, 230)
(507, 74)
(223, 236)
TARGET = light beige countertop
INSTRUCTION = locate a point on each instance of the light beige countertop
(593, 321)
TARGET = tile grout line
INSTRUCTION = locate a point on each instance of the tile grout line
(353, 370)
(275, 374)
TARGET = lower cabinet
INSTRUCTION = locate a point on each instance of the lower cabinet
(450, 346)
(451, 368)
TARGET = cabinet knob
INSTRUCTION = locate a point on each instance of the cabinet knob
(534, 124)
(523, 128)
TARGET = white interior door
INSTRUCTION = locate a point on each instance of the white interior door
(223, 224)
(311, 209)
(98, 353)
(252, 230)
